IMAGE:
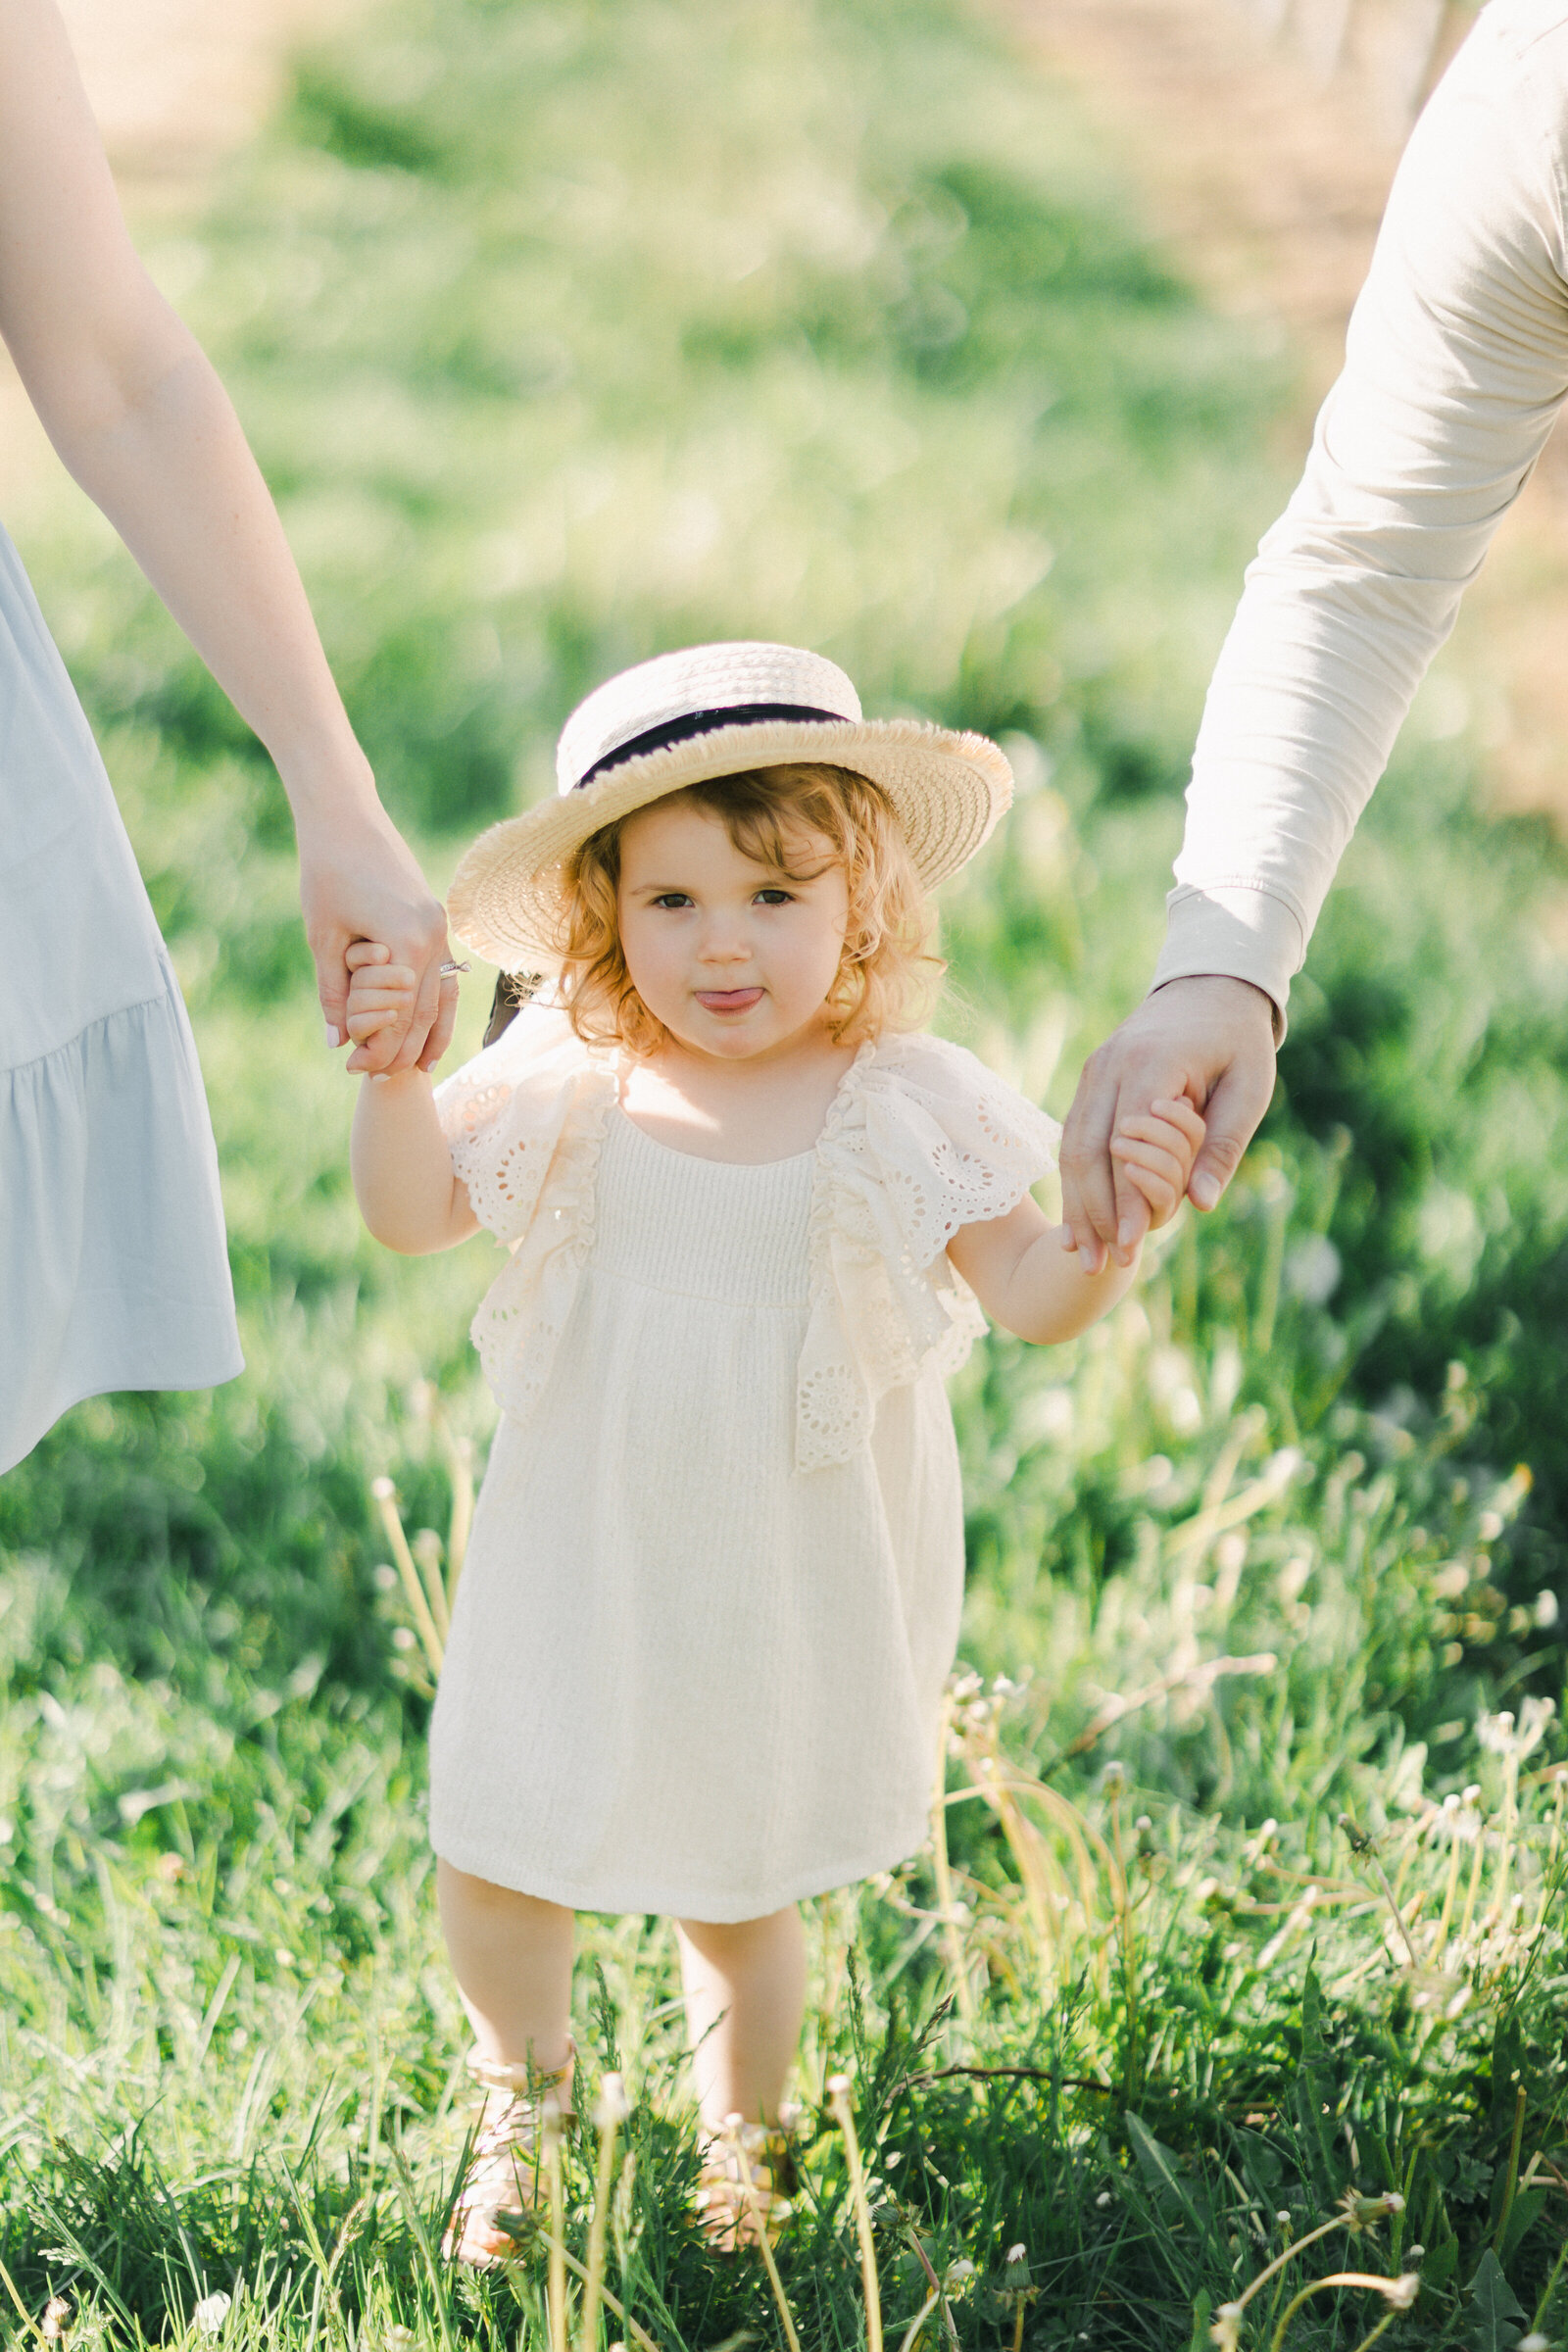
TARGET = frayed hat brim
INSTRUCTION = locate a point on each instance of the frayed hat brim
(948, 791)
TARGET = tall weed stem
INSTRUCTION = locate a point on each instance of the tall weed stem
(953, 1941)
(838, 2091)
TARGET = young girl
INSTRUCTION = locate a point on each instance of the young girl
(714, 1584)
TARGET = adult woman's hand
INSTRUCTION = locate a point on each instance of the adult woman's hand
(134, 408)
(1211, 1039)
(359, 880)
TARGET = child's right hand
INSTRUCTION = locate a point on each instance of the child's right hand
(1157, 1152)
(381, 995)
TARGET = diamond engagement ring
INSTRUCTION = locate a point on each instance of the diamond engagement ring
(449, 969)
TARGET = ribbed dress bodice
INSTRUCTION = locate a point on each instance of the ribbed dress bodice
(704, 1228)
(684, 1676)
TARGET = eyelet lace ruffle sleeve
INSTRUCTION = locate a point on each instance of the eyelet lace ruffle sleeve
(524, 1121)
(921, 1140)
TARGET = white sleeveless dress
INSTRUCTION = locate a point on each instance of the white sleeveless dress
(714, 1584)
(114, 1272)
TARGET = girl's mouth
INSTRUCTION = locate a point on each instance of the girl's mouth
(728, 1000)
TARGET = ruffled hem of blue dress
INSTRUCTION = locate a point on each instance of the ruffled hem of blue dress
(114, 1267)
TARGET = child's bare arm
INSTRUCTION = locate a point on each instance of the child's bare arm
(1017, 1267)
(403, 1178)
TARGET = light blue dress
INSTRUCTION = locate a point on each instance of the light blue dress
(114, 1272)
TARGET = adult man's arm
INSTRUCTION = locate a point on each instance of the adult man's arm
(1456, 364)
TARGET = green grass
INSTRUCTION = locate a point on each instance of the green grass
(570, 332)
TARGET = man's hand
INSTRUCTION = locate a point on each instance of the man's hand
(1208, 1038)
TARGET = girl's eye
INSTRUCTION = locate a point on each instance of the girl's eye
(775, 897)
(673, 898)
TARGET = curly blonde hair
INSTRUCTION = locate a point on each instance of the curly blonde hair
(889, 972)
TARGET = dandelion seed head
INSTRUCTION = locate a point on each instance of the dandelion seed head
(1416, 2256)
(382, 1489)
(612, 2107)
(1103, 2197)
(1401, 2292)
(1534, 2341)
(1015, 2254)
(1284, 2219)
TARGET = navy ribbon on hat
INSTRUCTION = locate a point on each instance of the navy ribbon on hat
(706, 722)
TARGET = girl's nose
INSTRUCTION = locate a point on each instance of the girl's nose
(724, 943)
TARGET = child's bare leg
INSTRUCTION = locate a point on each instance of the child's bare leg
(745, 2006)
(512, 1957)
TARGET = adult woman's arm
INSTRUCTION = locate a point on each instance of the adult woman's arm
(138, 415)
(1456, 364)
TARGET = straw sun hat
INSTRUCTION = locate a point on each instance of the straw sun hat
(714, 711)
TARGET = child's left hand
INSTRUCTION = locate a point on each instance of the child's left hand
(1155, 1151)
(380, 993)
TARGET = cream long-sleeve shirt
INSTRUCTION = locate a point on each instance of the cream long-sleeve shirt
(1456, 362)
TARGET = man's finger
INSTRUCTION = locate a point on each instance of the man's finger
(1230, 1118)
(1132, 1215)
(1088, 1192)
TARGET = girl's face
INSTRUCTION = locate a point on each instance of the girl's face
(734, 958)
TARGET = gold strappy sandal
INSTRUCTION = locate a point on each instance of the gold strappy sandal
(504, 2181)
(745, 2186)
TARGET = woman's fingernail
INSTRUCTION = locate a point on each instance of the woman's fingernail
(334, 1038)
(1125, 1236)
(1205, 1190)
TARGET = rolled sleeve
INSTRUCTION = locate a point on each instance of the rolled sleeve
(1457, 364)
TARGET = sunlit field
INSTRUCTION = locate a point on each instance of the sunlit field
(567, 333)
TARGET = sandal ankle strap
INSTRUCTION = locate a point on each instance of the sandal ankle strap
(522, 2079)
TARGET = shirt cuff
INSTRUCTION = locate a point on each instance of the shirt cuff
(1242, 932)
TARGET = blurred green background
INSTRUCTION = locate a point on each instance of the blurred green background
(565, 333)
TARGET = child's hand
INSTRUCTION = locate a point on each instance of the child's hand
(1157, 1152)
(381, 995)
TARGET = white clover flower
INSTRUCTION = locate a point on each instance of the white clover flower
(212, 2311)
